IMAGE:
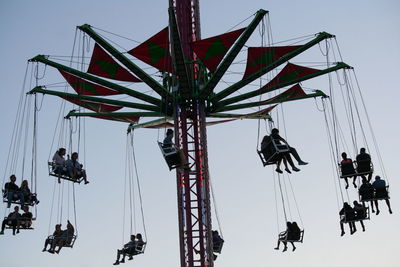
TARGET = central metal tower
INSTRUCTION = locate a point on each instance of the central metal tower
(193, 189)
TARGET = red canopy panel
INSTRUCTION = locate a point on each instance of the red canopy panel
(128, 119)
(260, 57)
(212, 50)
(94, 106)
(84, 87)
(294, 92)
(290, 73)
(155, 51)
(102, 64)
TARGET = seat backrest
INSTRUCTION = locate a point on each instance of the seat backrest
(217, 246)
(347, 168)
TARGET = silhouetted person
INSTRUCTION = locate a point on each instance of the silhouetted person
(347, 216)
(11, 220)
(347, 169)
(75, 169)
(129, 248)
(366, 192)
(51, 239)
(275, 136)
(58, 166)
(178, 158)
(217, 243)
(364, 164)
(294, 234)
(361, 213)
(65, 239)
(285, 236)
(25, 219)
(28, 195)
(12, 192)
(167, 143)
(380, 193)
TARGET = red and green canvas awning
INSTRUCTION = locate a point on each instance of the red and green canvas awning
(102, 64)
(155, 51)
(84, 87)
(294, 92)
(212, 50)
(260, 57)
(290, 73)
(94, 106)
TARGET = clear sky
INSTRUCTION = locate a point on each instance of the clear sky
(368, 36)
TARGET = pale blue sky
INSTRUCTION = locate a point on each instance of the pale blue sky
(368, 36)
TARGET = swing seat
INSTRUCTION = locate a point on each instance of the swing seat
(272, 152)
(171, 155)
(285, 237)
(217, 247)
(382, 193)
(364, 167)
(375, 194)
(63, 176)
(347, 170)
(356, 216)
(139, 249)
(16, 200)
(70, 242)
(24, 226)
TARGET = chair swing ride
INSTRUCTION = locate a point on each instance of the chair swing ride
(189, 71)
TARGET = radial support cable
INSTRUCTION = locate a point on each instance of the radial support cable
(15, 127)
(215, 207)
(74, 202)
(139, 188)
(295, 201)
(121, 89)
(34, 149)
(276, 203)
(282, 197)
(371, 128)
(349, 115)
(331, 148)
(40, 89)
(52, 205)
(157, 87)
(245, 81)
(339, 65)
(233, 52)
(125, 187)
(353, 97)
(287, 196)
(132, 218)
(25, 129)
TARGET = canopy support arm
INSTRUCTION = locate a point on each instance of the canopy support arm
(114, 114)
(318, 93)
(238, 116)
(157, 87)
(39, 89)
(339, 65)
(233, 88)
(89, 77)
(234, 51)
